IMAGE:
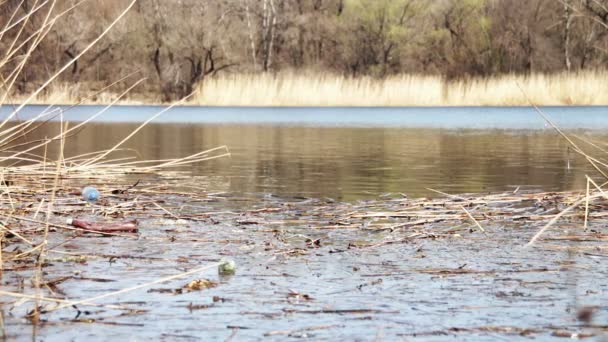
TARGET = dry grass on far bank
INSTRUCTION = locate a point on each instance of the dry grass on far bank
(315, 89)
(584, 88)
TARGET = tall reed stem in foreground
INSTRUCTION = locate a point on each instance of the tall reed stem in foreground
(31, 171)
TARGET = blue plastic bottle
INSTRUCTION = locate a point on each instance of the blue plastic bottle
(90, 194)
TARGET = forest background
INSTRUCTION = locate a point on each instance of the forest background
(348, 49)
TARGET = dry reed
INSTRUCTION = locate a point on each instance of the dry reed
(314, 89)
(25, 179)
(288, 89)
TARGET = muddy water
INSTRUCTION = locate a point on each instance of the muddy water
(286, 289)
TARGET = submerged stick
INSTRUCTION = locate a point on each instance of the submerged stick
(38, 274)
(20, 218)
(124, 227)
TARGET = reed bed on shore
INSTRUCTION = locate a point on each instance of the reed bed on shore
(295, 89)
(290, 89)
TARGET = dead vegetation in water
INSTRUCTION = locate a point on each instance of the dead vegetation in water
(167, 198)
(38, 195)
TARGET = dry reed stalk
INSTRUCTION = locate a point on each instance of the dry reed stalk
(177, 162)
(1, 246)
(68, 64)
(473, 218)
(8, 24)
(95, 159)
(4, 228)
(446, 194)
(20, 127)
(558, 216)
(2, 327)
(598, 188)
(38, 209)
(166, 211)
(577, 149)
(42, 253)
(76, 127)
(81, 157)
(590, 142)
(164, 163)
(46, 146)
(28, 252)
(63, 301)
(136, 287)
(586, 204)
(7, 190)
(37, 38)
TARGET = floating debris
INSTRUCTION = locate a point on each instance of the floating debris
(373, 245)
(200, 284)
(90, 194)
(226, 267)
(122, 227)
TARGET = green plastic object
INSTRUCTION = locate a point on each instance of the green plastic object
(226, 267)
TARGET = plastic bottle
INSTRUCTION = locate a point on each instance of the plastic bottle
(90, 194)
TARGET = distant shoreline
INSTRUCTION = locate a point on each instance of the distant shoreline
(587, 88)
(459, 118)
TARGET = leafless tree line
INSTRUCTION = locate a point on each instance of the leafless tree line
(178, 44)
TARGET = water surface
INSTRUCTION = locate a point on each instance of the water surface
(585, 117)
(400, 285)
(355, 153)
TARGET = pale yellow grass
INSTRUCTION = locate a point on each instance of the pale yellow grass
(315, 89)
(583, 88)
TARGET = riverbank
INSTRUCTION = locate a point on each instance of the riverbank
(315, 89)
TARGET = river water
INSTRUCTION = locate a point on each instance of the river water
(354, 153)
(307, 267)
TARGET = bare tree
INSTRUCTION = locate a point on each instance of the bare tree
(567, 28)
(180, 44)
